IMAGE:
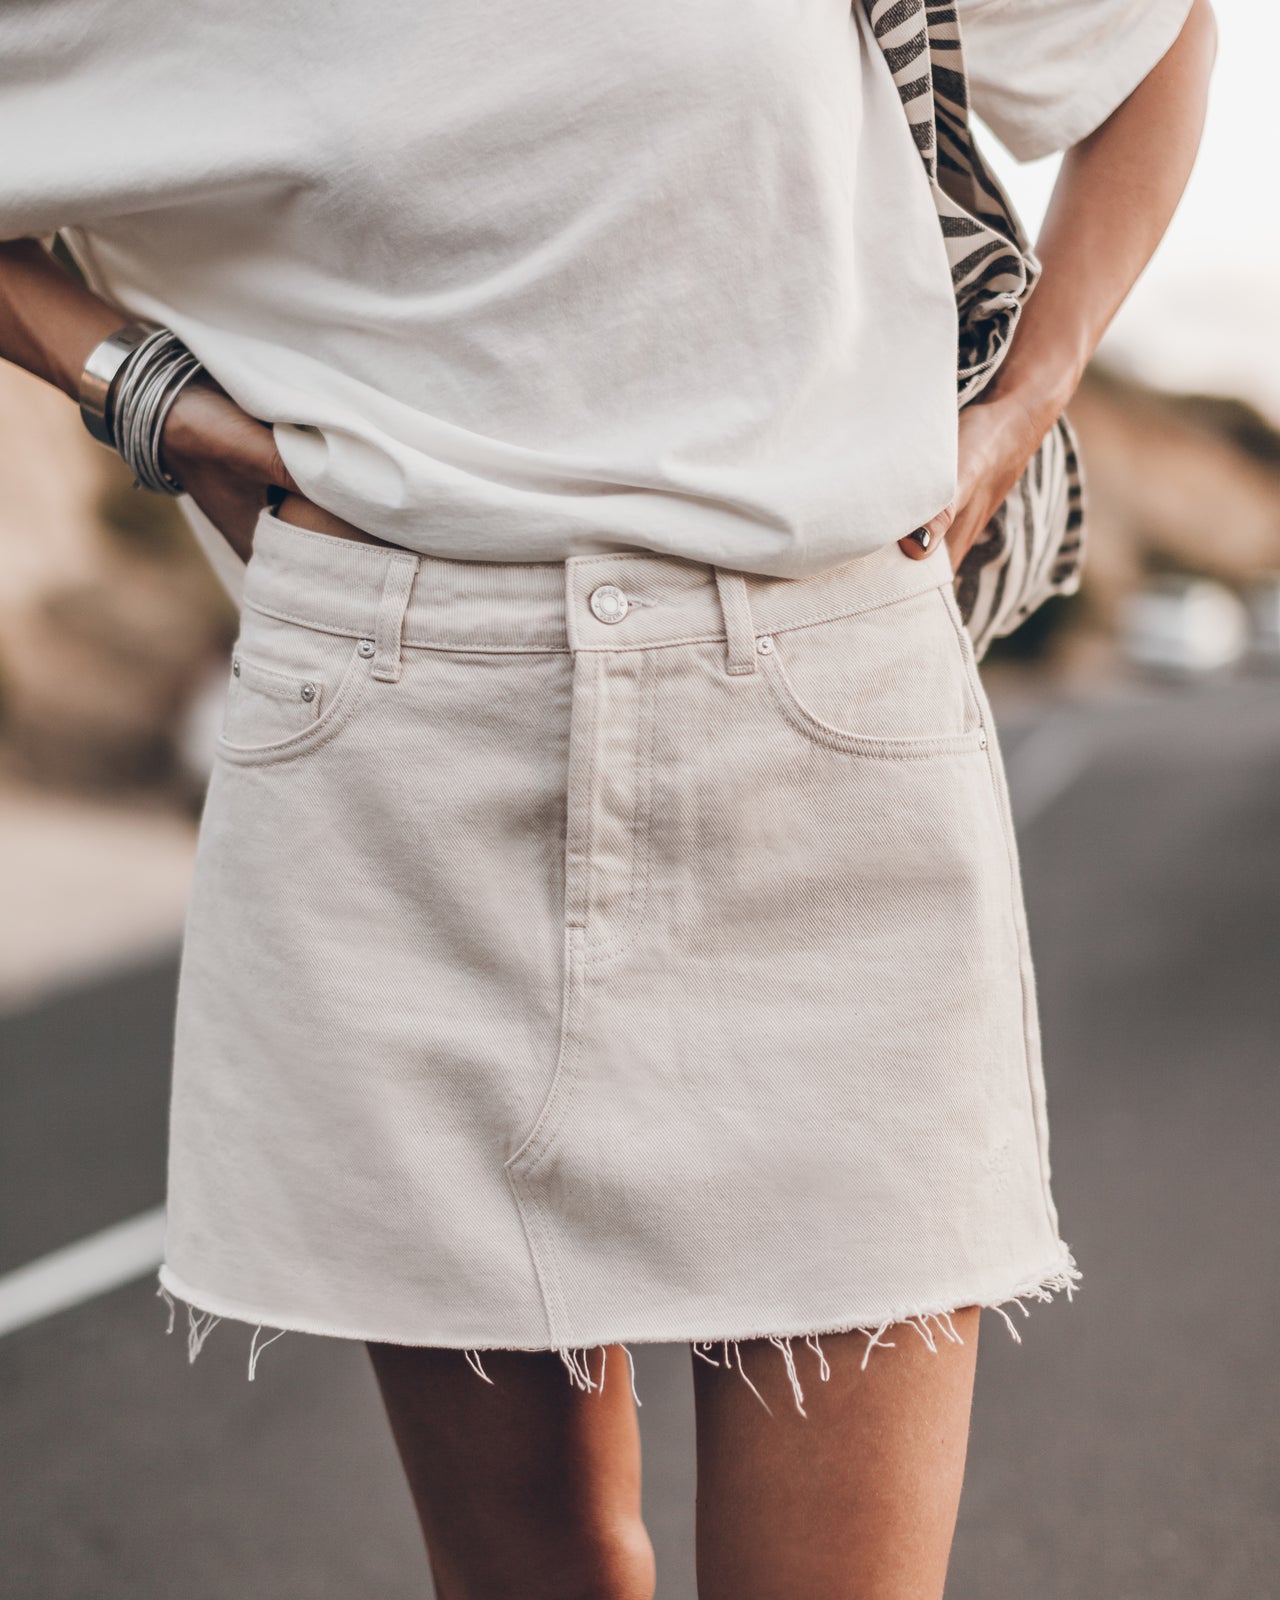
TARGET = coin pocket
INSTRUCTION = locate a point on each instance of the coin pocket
(264, 704)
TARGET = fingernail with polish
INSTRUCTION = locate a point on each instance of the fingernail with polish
(922, 537)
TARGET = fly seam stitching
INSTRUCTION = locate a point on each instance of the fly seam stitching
(587, 831)
(642, 829)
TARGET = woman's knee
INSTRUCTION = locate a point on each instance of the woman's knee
(618, 1564)
(604, 1563)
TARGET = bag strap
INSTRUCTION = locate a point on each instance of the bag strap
(1033, 545)
(993, 266)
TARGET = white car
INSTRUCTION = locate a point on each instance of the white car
(1185, 627)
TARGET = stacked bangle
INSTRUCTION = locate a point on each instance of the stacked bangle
(127, 388)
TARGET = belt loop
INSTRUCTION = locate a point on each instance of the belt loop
(397, 586)
(739, 630)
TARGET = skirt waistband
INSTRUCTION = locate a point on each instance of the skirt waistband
(623, 601)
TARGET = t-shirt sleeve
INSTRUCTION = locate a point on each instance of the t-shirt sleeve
(1044, 73)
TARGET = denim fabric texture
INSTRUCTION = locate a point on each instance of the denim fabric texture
(617, 949)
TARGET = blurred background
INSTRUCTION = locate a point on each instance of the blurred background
(1130, 1446)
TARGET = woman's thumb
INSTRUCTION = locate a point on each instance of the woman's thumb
(278, 475)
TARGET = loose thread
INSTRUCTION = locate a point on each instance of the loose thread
(930, 1326)
(789, 1361)
(1008, 1321)
(876, 1338)
(824, 1368)
(738, 1352)
(256, 1349)
(921, 1325)
(472, 1358)
(199, 1326)
(631, 1362)
(948, 1327)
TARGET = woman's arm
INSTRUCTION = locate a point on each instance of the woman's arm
(48, 322)
(1115, 195)
(223, 457)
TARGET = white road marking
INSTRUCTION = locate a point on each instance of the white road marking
(89, 886)
(1045, 765)
(79, 1271)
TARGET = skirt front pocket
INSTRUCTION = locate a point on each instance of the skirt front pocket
(894, 680)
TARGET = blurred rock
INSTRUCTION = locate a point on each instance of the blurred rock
(49, 481)
(109, 613)
(96, 674)
(1183, 485)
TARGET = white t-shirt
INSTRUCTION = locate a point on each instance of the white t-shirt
(519, 281)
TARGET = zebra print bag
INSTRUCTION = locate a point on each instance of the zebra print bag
(1033, 546)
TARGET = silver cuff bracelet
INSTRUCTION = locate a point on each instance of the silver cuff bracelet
(100, 371)
(127, 388)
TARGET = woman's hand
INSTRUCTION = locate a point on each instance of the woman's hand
(225, 459)
(998, 436)
(1114, 195)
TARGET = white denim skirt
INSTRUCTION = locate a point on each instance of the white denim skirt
(612, 950)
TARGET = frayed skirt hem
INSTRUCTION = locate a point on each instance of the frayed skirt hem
(930, 1323)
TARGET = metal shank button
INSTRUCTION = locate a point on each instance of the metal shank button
(609, 603)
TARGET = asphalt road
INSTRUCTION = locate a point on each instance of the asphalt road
(1129, 1448)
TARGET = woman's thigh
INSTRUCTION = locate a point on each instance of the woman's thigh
(856, 1500)
(526, 1485)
